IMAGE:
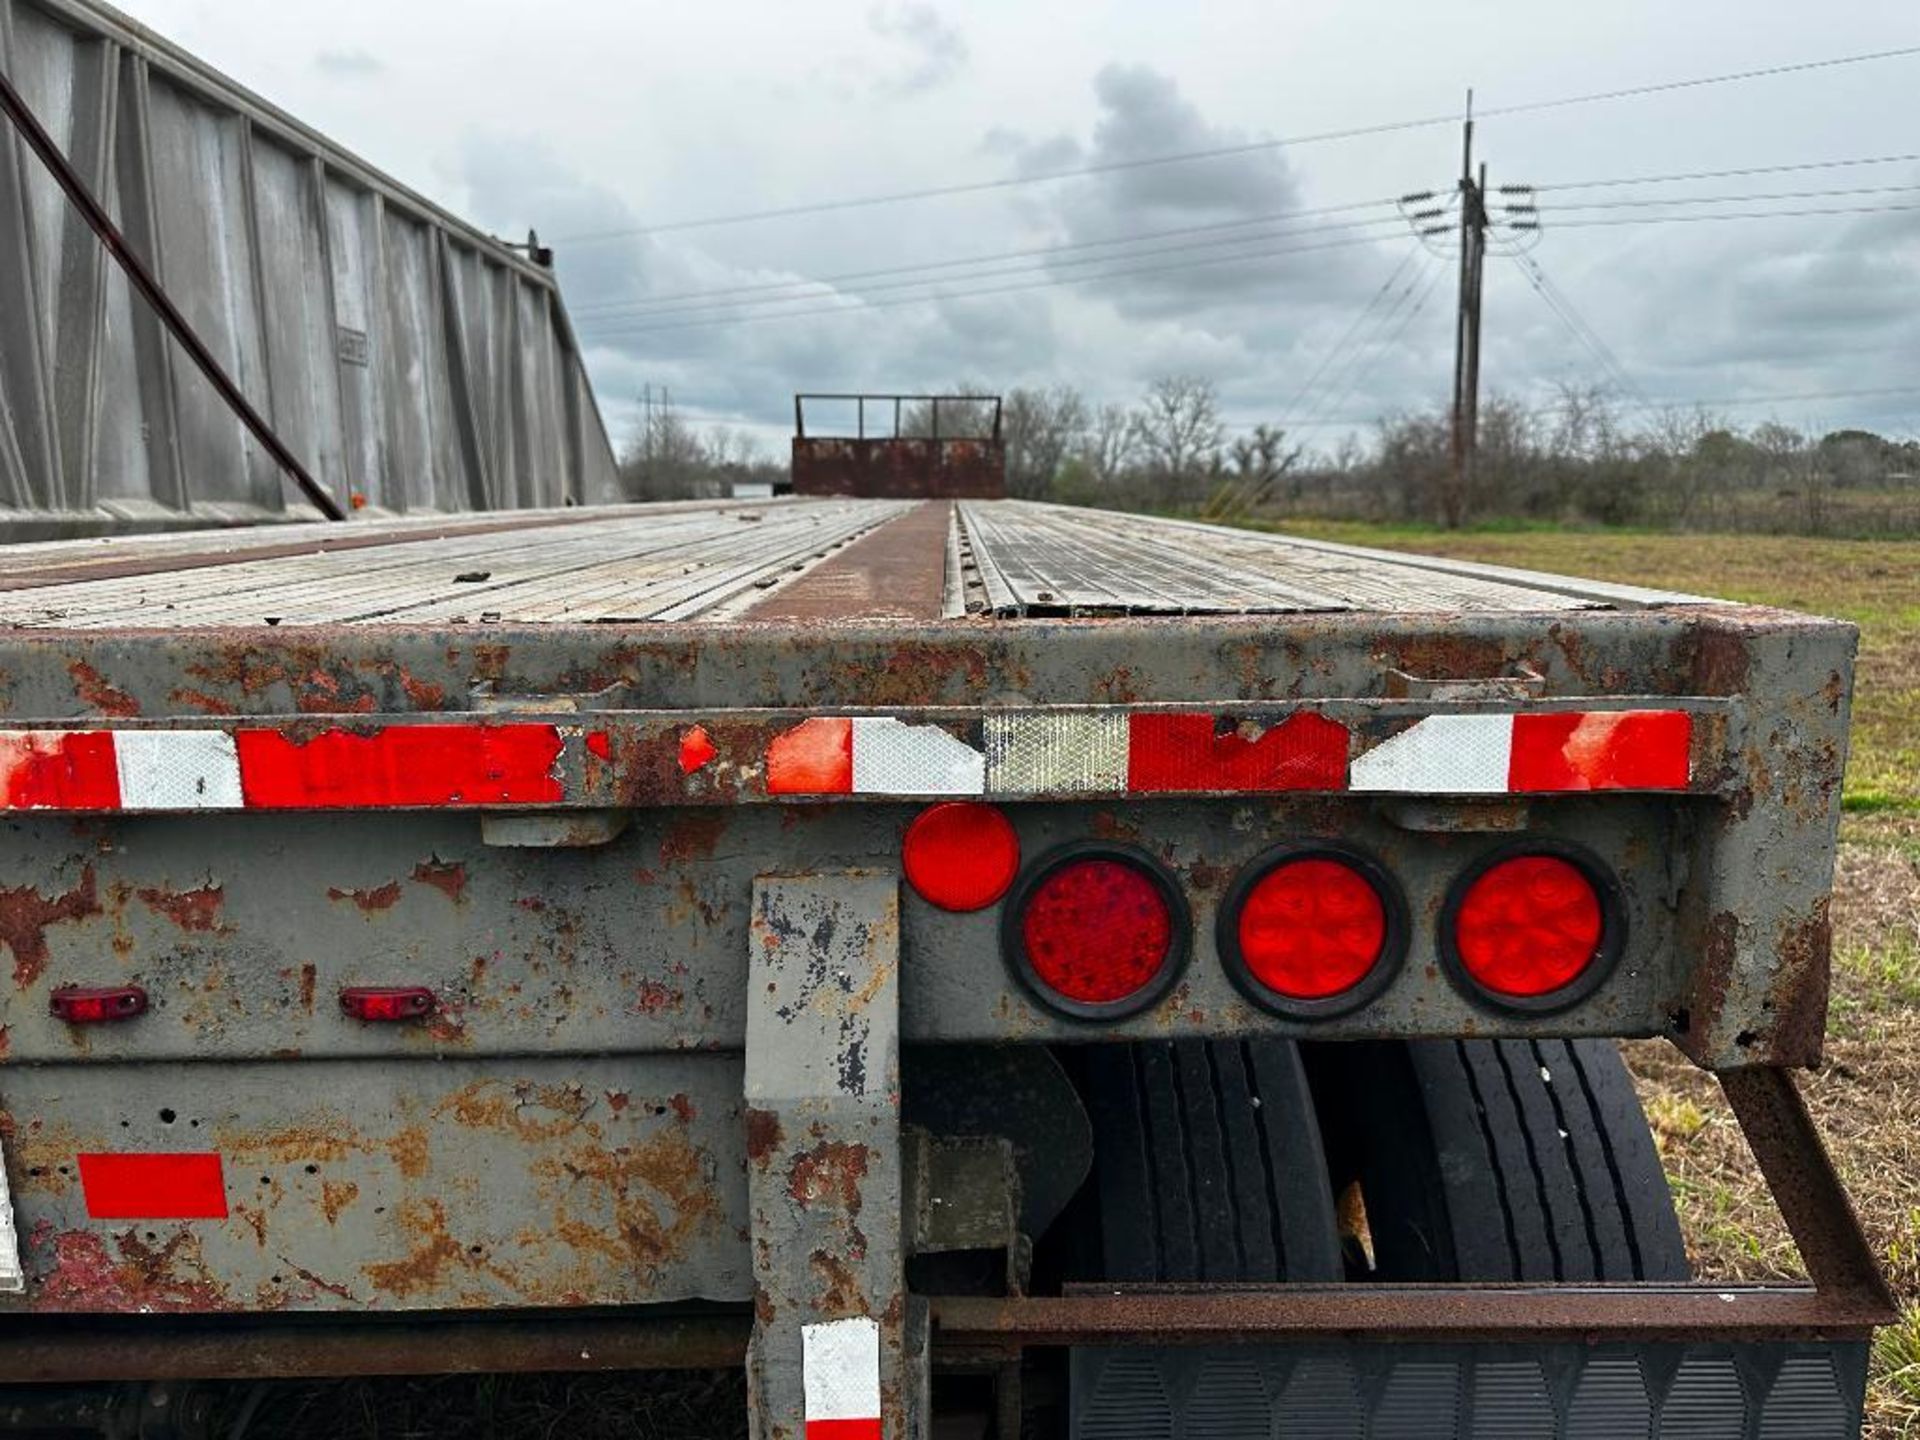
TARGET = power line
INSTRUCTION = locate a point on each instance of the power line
(1336, 422)
(1299, 397)
(1275, 217)
(968, 294)
(748, 304)
(1341, 383)
(1710, 174)
(1735, 215)
(742, 217)
(1653, 203)
(1569, 315)
(1366, 372)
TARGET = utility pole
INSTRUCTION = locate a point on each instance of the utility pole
(1466, 347)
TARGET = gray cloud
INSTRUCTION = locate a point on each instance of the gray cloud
(936, 50)
(347, 64)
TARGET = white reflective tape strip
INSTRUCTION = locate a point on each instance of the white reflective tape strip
(177, 770)
(840, 1367)
(893, 758)
(1440, 755)
(1080, 754)
(12, 1281)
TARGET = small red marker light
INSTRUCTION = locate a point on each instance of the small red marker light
(387, 1002)
(78, 1005)
(1529, 926)
(1101, 933)
(961, 855)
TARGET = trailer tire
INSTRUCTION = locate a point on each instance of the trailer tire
(1208, 1164)
(1492, 1160)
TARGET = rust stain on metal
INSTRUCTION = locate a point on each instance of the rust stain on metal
(98, 695)
(335, 1196)
(434, 1257)
(192, 910)
(693, 835)
(309, 977)
(894, 572)
(379, 897)
(532, 1113)
(169, 1276)
(839, 1290)
(408, 1149)
(204, 703)
(660, 1193)
(449, 877)
(422, 694)
(25, 915)
(829, 1174)
(1797, 996)
(764, 1135)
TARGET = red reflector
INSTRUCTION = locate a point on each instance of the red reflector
(1529, 926)
(961, 856)
(153, 1187)
(395, 1002)
(1312, 928)
(1098, 930)
(79, 1006)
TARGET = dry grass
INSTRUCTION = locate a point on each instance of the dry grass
(1867, 1098)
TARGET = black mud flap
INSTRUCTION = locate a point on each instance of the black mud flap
(1782, 1390)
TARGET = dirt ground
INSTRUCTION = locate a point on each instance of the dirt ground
(1867, 1097)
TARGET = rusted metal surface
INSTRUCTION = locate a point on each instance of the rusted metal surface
(1773, 1115)
(633, 947)
(900, 468)
(1517, 1315)
(363, 1188)
(904, 447)
(823, 1138)
(67, 1350)
(897, 572)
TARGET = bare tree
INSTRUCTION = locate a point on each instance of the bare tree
(1039, 427)
(1256, 463)
(1178, 433)
(664, 455)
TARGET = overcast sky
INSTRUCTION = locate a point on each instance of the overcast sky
(597, 120)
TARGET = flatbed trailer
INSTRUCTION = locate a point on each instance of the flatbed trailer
(1155, 976)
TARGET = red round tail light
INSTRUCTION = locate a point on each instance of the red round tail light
(961, 855)
(1534, 929)
(1313, 932)
(1098, 931)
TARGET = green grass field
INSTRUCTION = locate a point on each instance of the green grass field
(1868, 1095)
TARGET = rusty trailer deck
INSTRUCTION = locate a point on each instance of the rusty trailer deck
(826, 559)
(607, 807)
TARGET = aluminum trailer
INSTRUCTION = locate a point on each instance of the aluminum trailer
(407, 360)
(1158, 976)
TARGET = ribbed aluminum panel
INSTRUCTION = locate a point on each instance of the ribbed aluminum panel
(1055, 559)
(410, 361)
(639, 562)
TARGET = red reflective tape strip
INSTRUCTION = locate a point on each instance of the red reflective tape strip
(59, 770)
(1188, 753)
(401, 765)
(154, 1187)
(844, 1429)
(813, 758)
(1601, 750)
